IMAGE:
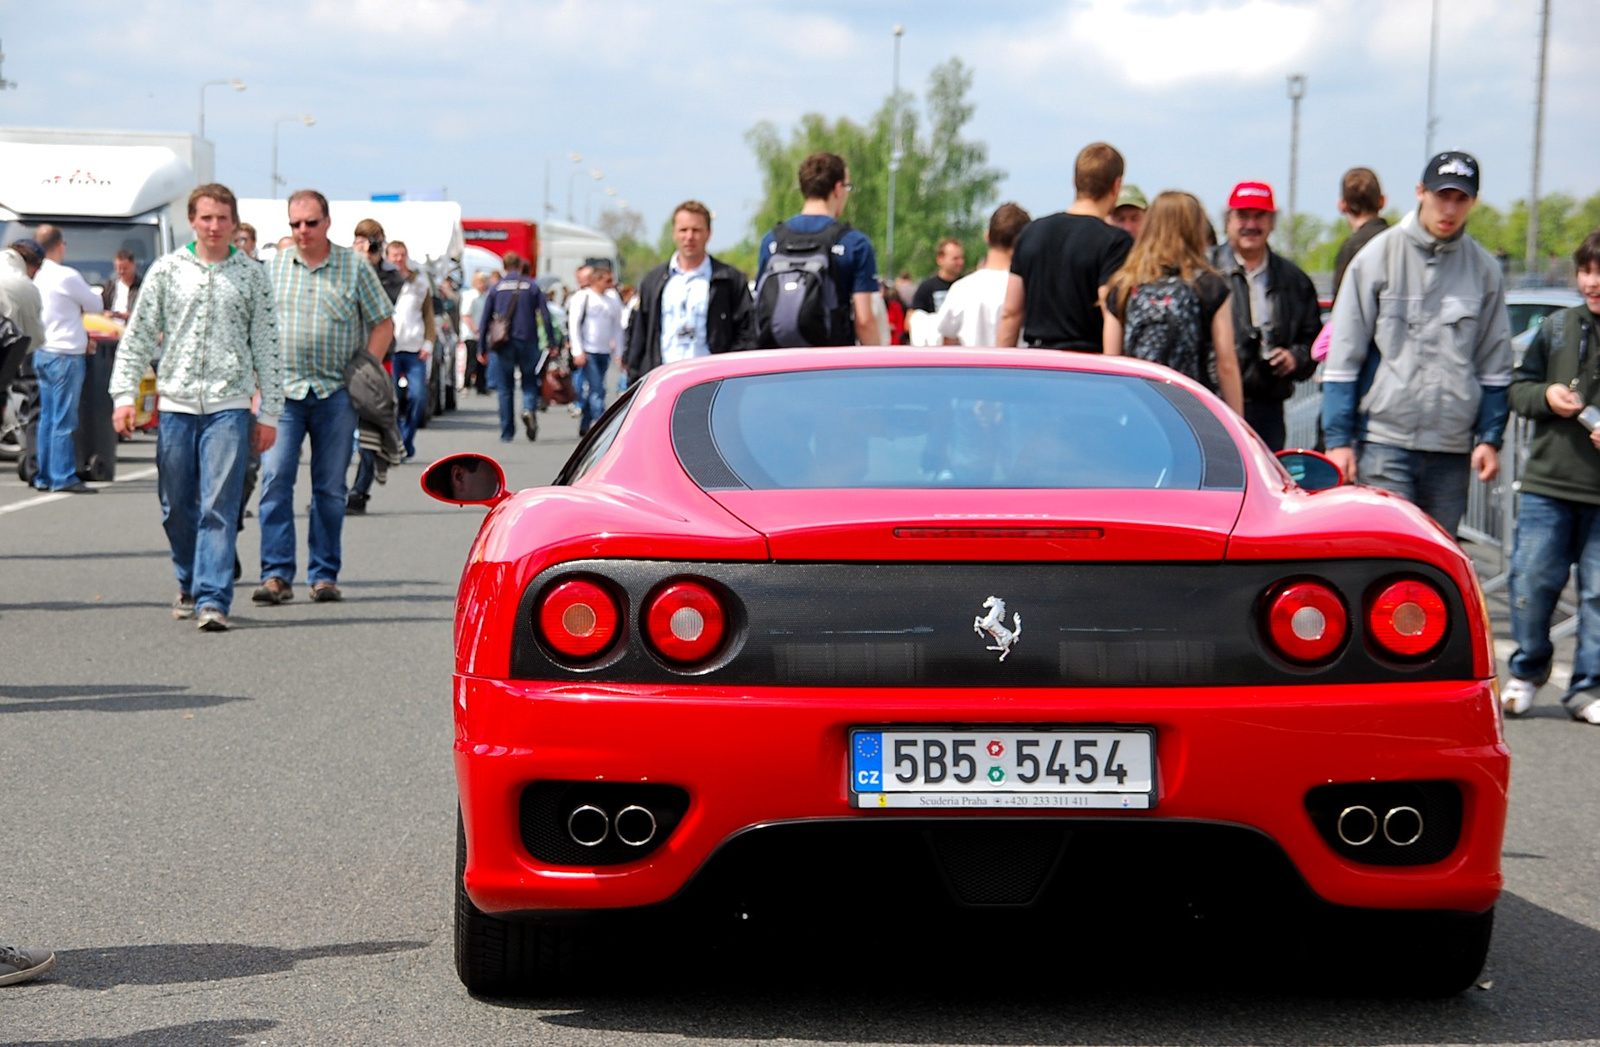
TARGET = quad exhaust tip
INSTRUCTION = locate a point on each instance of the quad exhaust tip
(588, 825)
(1359, 825)
(635, 825)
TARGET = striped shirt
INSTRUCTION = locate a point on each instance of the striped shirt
(324, 316)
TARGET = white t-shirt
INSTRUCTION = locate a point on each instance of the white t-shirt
(66, 298)
(596, 322)
(410, 334)
(971, 309)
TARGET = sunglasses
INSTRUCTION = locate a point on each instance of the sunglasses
(309, 223)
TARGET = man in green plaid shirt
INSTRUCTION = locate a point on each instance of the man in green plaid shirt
(330, 306)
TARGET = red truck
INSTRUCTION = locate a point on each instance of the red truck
(499, 235)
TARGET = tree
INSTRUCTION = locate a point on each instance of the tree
(943, 188)
(635, 256)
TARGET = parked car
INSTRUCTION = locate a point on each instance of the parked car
(918, 633)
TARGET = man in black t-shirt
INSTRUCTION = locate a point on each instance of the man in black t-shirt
(949, 259)
(1063, 261)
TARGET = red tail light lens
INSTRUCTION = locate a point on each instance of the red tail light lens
(579, 618)
(1408, 619)
(1306, 622)
(686, 622)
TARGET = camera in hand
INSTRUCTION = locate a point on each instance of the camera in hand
(1589, 418)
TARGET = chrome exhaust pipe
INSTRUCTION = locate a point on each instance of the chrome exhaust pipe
(636, 826)
(588, 825)
(1402, 826)
(1357, 825)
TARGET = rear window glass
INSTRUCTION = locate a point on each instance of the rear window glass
(952, 427)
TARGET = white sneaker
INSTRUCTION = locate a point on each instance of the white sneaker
(1590, 714)
(1516, 697)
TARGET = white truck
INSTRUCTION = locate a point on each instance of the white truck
(107, 190)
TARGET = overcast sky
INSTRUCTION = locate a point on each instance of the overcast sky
(475, 96)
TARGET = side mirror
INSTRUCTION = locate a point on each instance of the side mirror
(465, 479)
(1312, 471)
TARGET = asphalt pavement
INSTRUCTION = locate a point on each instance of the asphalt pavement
(247, 837)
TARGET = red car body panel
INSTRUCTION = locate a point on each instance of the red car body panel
(1241, 755)
(1291, 740)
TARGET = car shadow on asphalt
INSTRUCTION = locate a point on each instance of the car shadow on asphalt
(106, 698)
(183, 963)
(230, 1032)
(852, 984)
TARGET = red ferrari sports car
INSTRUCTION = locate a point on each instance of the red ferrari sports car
(964, 631)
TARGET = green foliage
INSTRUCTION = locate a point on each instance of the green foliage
(1563, 223)
(635, 257)
(943, 187)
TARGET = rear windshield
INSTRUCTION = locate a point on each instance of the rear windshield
(933, 427)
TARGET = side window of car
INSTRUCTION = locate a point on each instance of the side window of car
(598, 442)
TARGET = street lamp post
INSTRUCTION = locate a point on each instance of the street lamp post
(611, 190)
(548, 210)
(594, 173)
(1297, 91)
(1538, 142)
(237, 85)
(304, 118)
(894, 149)
(1433, 71)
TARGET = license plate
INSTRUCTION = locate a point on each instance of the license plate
(944, 768)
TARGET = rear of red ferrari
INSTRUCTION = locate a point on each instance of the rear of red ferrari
(967, 637)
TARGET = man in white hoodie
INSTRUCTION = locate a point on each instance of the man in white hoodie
(210, 308)
(1414, 396)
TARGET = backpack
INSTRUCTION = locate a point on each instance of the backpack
(797, 299)
(1162, 324)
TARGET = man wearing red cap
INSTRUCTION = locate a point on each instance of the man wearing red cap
(1275, 313)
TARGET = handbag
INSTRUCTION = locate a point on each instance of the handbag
(499, 333)
(556, 385)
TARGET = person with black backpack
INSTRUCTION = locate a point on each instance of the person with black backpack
(815, 275)
(1166, 302)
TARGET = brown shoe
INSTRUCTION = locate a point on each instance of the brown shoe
(326, 592)
(273, 590)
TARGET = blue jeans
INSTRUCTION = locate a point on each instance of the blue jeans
(1553, 535)
(414, 369)
(503, 368)
(201, 460)
(331, 424)
(592, 390)
(60, 388)
(1436, 481)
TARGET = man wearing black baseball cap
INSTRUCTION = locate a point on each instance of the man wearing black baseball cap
(1414, 388)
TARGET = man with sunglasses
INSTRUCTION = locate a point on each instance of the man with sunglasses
(330, 306)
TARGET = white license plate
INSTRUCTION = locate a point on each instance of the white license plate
(996, 768)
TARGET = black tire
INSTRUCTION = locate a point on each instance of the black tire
(507, 957)
(1417, 954)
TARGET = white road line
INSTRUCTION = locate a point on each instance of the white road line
(56, 496)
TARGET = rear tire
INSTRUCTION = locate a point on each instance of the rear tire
(497, 957)
(1418, 954)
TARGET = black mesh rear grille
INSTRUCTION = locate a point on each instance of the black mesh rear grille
(997, 863)
(546, 806)
(1438, 804)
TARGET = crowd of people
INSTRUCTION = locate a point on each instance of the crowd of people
(330, 345)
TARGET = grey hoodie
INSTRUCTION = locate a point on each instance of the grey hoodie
(19, 299)
(1435, 312)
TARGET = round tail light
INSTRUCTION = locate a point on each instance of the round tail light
(1306, 622)
(685, 622)
(1408, 619)
(579, 618)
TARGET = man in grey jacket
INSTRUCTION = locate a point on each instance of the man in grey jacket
(1414, 388)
